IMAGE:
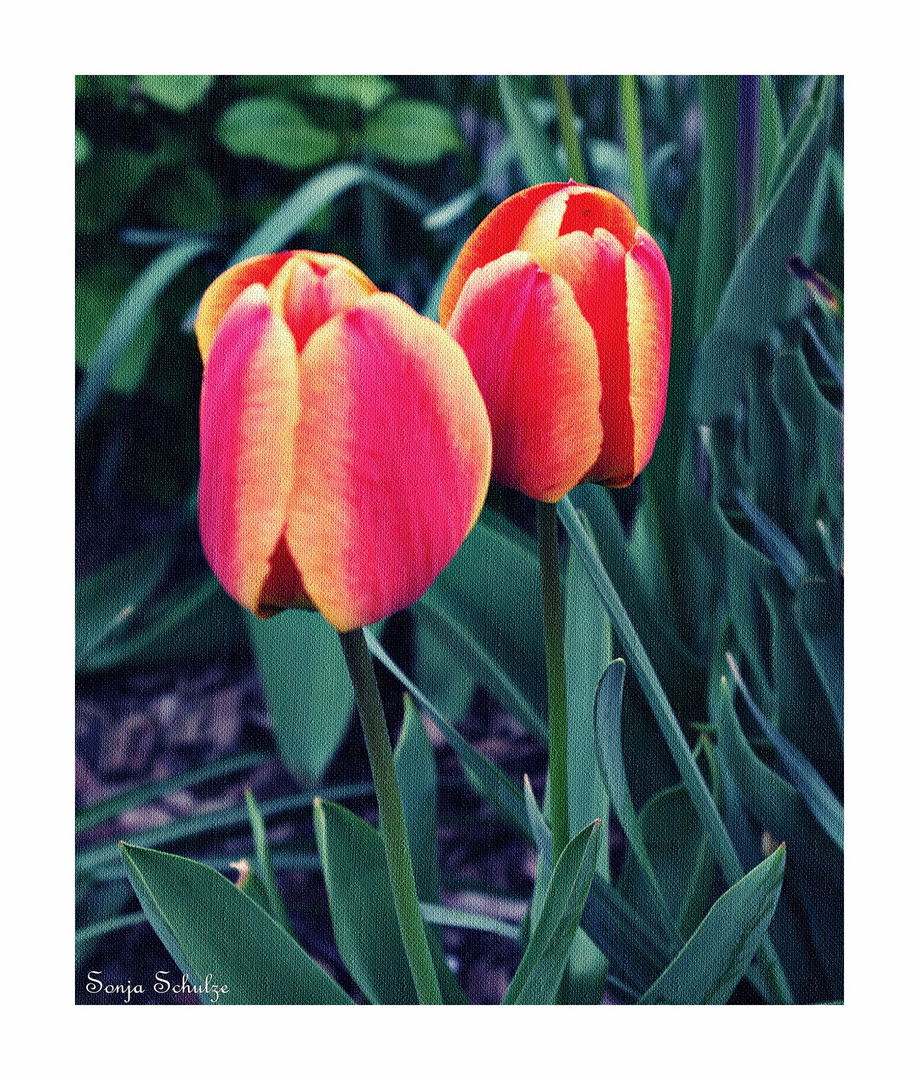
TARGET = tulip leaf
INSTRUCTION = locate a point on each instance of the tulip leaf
(363, 912)
(307, 687)
(770, 119)
(714, 960)
(484, 614)
(176, 92)
(760, 289)
(275, 902)
(417, 778)
(537, 979)
(219, 937)
(411, 132)
(536, 152)
(275, 130)
(83, 147)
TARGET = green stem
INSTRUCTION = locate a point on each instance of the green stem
(634, 144)
(392, 819)
(567, 128)
(553, 624)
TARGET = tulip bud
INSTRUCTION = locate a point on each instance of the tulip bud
(561, 302)
(345, 447)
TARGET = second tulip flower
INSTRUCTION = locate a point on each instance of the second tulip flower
(562, 303)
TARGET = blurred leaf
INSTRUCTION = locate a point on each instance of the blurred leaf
(364, 913)
(368, 91)
(536, 152)
(275, 130)
(276, 908)
(211, 929)
(417, 778)
(307, 687)
(537, 979)
(176, 92)
(188, 198)
(109, 597)
(104, 191)
(713, 961)
(468, 920)
(128, 320)
(194, 620)
(412, 132)
(819, 617)
(83, 147)
(120, 804)
(757, 293)
(97, 291)
(779, 547)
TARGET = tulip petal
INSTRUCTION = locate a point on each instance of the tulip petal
(222, 292)
(649, 312)
(497, 234)
(393, 453)
(535, 359)
(594, 267)
(311, 288)
(249, 411)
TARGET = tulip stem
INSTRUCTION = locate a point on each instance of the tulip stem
(568, 129)
(553, 624)
(392, 817)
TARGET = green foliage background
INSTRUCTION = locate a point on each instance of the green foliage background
(727, 553)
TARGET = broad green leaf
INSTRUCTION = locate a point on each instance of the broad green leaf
(276, 908)
(251, 885)
(437, 915)
(363, 911)
(368, 91)
(176, 92)
(760, 289)
(534, 149)
(417, 777)
(275, 130)
(482, 617)
(412, 132)
(714, 960)
(212, 929)
(307, 687)
(537, 979)
(128, 320)
(770, 120)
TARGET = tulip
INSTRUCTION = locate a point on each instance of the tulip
(345, 447)
(562, 302)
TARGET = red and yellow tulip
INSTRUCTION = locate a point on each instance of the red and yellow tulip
(345, 447)
(562, 303)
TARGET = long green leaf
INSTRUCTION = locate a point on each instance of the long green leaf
(131, 312)
(276, 907)
(219, 937)
(539, 975)
(417, 778)
(714, 960)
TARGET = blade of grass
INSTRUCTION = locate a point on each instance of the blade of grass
(634, 141)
